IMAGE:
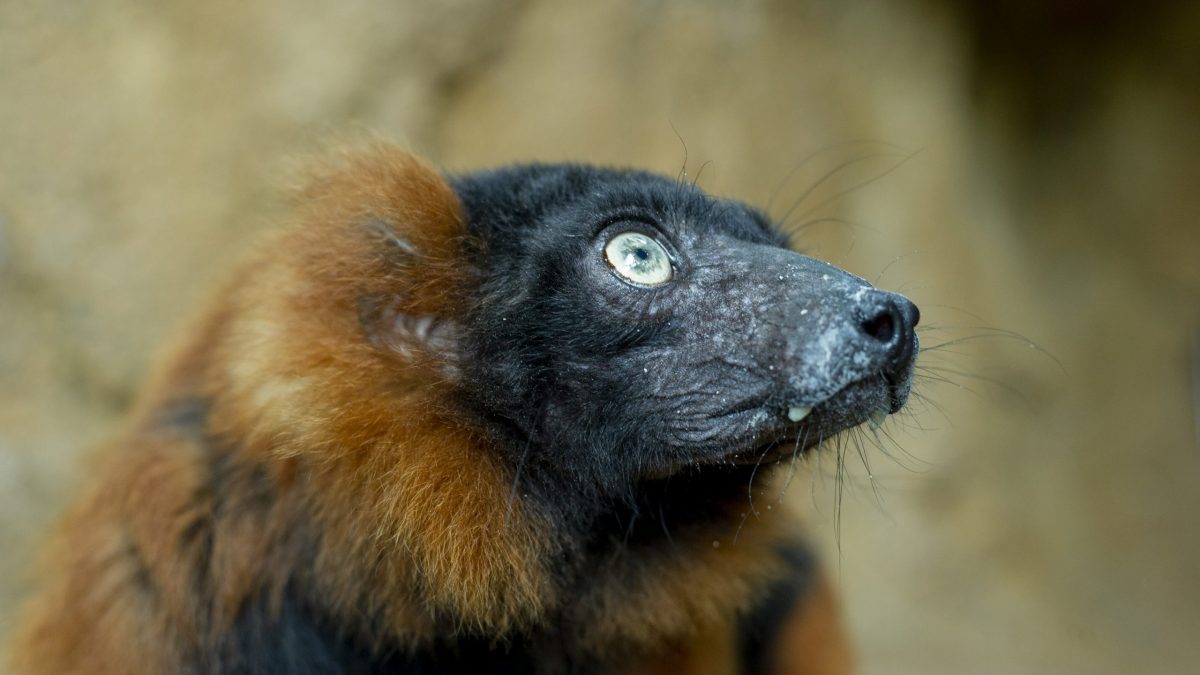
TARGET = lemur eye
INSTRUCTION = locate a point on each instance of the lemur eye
(638, 259)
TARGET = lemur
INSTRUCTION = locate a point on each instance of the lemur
(492, 422)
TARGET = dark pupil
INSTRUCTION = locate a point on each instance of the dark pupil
(641, 254)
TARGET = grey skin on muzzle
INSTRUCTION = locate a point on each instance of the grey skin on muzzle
(846, 330)
(787, 347)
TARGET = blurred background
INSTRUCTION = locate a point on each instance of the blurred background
(1027, 167)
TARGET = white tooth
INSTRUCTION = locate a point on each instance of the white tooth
(798, 412)
(877, 418)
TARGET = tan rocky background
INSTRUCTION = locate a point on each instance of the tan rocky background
(1040, 517)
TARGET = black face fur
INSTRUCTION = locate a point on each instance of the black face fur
(598, 387)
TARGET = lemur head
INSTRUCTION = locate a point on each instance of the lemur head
(627, 327)
(498, 373)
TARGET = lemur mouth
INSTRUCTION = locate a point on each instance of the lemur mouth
(798, 429)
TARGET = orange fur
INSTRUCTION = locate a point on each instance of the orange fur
(812, 640)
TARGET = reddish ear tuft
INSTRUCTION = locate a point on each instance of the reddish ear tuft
(385, 224)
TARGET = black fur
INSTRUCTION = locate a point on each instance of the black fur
(298, 641)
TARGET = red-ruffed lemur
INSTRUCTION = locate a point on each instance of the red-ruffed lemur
(498, 422)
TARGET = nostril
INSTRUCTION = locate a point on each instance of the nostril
(881, 327)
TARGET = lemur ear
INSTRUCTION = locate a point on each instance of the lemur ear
(408, 330)
(392, 233)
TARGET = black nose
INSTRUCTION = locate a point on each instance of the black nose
(890, 326)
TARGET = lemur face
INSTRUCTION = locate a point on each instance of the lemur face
(629, 326)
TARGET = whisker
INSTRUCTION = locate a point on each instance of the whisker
(989, 332)
(817, 153)
(629, 530)
(750, 492)
(924, 373)
(683, 169)
(856, 438)
(800, 227)
(996, 382)
(753, 473)
(662, 520)
(887, 267)
(927, 401)
(841, 193)
(839, 492)
(782, 221)
(960, 310)
(817, 451)
(800, 442)
(902, 462)
(699, 173)
(908, 455)
(512, 493)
